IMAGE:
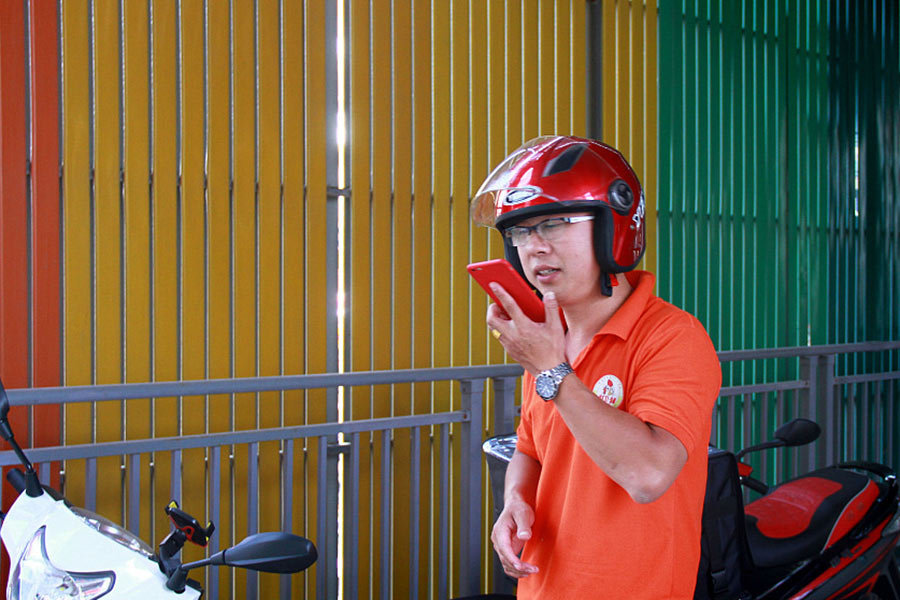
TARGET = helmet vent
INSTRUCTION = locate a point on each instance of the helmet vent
(620, 196)
(566, 160)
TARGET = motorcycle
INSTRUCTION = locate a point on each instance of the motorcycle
(58, 550)
(831, 534)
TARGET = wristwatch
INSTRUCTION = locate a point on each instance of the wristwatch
(547, 383)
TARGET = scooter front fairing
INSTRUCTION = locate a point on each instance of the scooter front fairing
(61, 552)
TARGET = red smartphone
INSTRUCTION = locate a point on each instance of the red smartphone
(501, 272)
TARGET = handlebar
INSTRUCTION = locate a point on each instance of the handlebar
(16, 478)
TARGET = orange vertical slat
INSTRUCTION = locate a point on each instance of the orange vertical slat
(14, 276)
(45, 247)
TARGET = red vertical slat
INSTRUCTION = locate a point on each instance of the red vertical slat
(13, 217)
(46, 334)
(13, 214)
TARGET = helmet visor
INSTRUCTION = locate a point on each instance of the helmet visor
(497, 185)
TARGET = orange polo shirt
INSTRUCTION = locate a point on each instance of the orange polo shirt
(590, 539)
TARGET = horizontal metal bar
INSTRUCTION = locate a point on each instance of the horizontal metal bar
(759, 388)
(733, 355)
(123, 391)
(868, 378)
(162, 444)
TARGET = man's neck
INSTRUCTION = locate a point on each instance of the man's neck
(584, 320)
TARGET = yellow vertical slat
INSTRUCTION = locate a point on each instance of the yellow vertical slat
(318, 304)
(382, 303)
(244, 251)
(629, 97)
(531, 52)
(192, 238)
(293, 244)
(402, 263)
(478, 169)
(108, 245)
(497, 148)
(610, 72)
(564, 100)
(578, 24)
(463, 317)
(77, 231)
(444, 275)
(137, 228)
(269, 267)
(218, 250)
(547, 66)
(165, 245)
(515, 94)
(422, 254)
(361, 259)
(649, 130)
(442, 312)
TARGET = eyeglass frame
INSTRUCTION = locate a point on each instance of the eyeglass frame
(529, 229)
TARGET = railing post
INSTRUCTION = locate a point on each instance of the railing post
(809, 405)
(827, 414)
(504, 404)
(470, 487)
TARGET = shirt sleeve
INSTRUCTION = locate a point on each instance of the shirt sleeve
(677, 381)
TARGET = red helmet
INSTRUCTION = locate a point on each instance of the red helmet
(558, 174)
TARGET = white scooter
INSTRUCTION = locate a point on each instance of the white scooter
(58, 551)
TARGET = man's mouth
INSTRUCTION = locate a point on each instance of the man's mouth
(546, 271)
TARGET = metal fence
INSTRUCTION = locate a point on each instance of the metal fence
(855, 402)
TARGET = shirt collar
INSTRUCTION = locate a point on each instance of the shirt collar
(624, 319)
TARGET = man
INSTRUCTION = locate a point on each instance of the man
(604, 494)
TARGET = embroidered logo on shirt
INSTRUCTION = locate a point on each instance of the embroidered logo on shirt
(609, 389)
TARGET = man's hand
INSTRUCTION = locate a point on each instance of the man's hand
(535, 346)
(511, 531)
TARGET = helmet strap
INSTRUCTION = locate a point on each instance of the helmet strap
(607, 282)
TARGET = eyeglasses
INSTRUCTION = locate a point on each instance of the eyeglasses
(550, 230)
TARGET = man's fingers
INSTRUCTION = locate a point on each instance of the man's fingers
(508, 303)
(551, 311)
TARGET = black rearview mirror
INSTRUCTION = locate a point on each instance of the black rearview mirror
(798, 432)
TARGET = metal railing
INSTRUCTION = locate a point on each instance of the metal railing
(838, 386)
(322, 437)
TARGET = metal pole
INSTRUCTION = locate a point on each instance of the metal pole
(470, 487)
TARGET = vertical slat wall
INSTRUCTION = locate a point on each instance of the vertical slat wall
(778, 211)
(195, 220)
(628, 101)
(193, 233)
(721, 252)
(439, 93)
(30, 336)
(863, 213)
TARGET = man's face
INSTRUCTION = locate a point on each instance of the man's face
(565, 266)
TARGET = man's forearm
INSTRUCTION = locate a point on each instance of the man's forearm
(522, 475)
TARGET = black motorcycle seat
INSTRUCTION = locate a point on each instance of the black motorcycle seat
(799, 518)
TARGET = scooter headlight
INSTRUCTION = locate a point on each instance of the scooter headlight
(36, 578)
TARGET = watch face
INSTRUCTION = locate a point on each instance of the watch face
(545, 386)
